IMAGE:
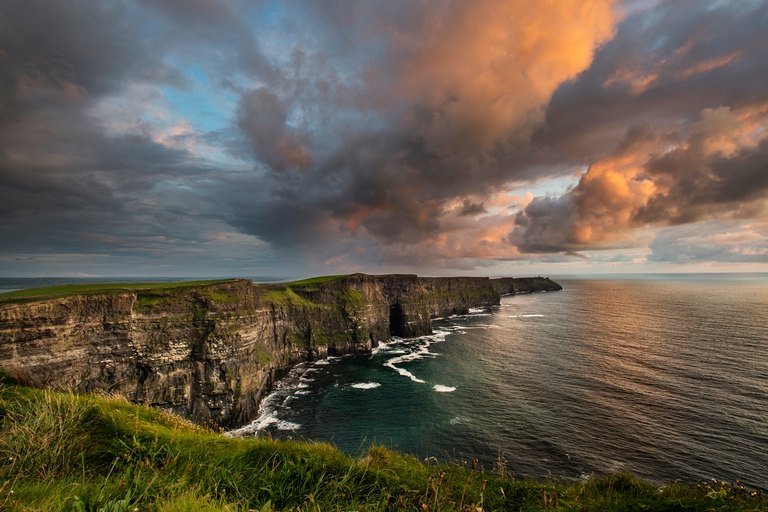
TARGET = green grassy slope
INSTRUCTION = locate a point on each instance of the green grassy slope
(97, 288)
(63, 451)
(317, 280)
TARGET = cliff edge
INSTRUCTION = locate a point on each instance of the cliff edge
(210, 351)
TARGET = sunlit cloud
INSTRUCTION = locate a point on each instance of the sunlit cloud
(223, 136)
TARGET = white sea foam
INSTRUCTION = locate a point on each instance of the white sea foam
(458, 420)
(366, 385)
(287, 425)
(419, 349)
(286, 391)
(382, 346)
(258, 424)
(477, 310)
(443, 389)
(405, 373)
(525, 316)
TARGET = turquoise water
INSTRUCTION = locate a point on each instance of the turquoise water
(663, 376)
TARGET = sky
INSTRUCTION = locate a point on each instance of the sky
(439, 137)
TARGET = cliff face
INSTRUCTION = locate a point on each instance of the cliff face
(513, 285)
(210, 352)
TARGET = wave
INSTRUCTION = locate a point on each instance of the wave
(405, 373)
(419, 350)
(525, 316)
(287, 389)
(366, 385)
(287, 425)
(261, 423)
(443, 389)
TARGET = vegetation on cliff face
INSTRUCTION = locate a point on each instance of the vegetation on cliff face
(71, 452)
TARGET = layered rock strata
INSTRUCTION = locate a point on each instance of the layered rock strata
(211, 352)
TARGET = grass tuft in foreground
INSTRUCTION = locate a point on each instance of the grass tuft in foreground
(70, 452)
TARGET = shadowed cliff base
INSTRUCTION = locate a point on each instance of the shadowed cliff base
(210, 351)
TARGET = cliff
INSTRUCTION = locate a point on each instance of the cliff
(513, 285)
(209, 352)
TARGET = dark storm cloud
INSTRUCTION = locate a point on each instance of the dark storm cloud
(666, 63)
(375, 132)
(719, 172)
(65, 184)
(470, 208)
(214, 32)
(701, 186)
(202, 12)
(691, 83)
(442, 112)
(262, 116)
(64, 52)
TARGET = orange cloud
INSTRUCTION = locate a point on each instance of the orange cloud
(486, 70)
(708, 65)
(609, 193)
(637, 79)
(652, 179)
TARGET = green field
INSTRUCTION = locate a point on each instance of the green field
(316, 280)
(70, 452)
(98, 288)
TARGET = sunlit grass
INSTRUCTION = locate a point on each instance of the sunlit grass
(64, 451)
(99, 288)
(316, 280)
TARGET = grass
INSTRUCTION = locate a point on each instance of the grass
(98, 288)
(70, 452)
(287, 297)
(352, 298)
(317, 280)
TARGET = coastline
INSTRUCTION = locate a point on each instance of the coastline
(210, 351)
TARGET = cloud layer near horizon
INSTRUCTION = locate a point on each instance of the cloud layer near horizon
(269, 135)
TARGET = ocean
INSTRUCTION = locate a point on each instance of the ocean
(663, 376)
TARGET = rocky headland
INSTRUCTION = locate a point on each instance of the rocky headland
(210, 352)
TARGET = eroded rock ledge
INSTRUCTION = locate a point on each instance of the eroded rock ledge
(211, 352)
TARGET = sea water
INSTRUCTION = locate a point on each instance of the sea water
(662, 376)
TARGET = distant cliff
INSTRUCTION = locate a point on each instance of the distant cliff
(210, 352)
(513, 285)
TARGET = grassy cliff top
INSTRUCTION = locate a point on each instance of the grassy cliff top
(70, 452)
(317, 280)
(98, 288)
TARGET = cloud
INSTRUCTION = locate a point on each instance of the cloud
(713, 241)
(431, 120)
(387, 134)
(262, 116)
(665, 65)
(653, 179)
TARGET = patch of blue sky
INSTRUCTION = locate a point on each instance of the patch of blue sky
(206, 108)
(549, 187)
(272, 11)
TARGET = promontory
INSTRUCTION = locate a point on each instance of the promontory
(209, 351)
